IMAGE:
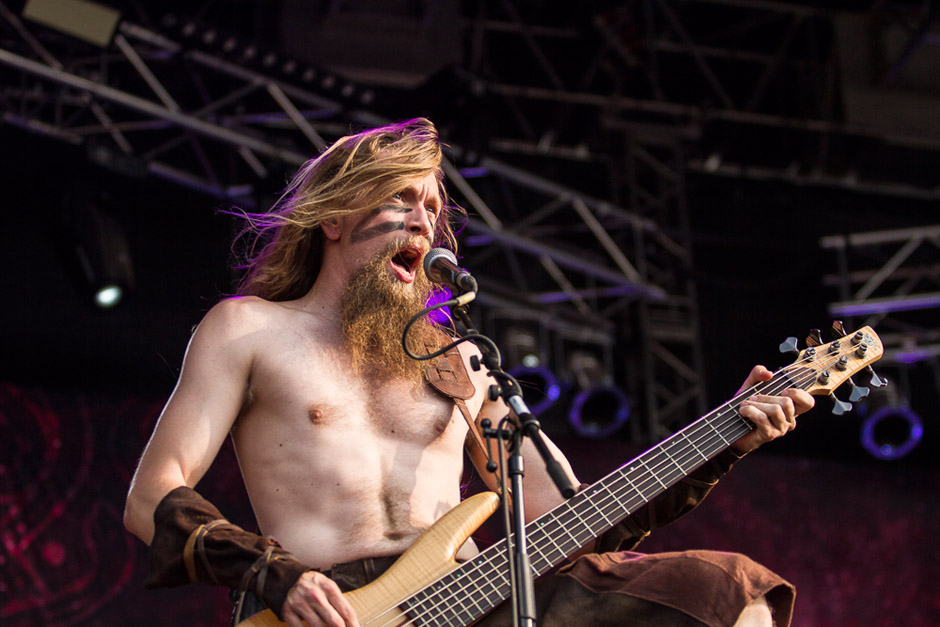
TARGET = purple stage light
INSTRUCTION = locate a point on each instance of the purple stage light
(599, 411)
(887, 450)
(537, 382)
(440, 316)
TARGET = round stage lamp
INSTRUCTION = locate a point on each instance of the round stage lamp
(539, 385)
(109, 295)
(891, 432)
(599, 411)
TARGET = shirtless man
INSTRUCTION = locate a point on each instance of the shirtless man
(345, 452)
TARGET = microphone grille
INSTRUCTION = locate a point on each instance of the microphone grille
(436, 253)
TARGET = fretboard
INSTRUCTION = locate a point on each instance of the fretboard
(480, 584)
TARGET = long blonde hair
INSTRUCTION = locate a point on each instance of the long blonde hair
(355, 174)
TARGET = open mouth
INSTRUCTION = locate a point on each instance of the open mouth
(405, 263)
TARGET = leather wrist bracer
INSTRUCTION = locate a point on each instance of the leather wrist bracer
(193, 542)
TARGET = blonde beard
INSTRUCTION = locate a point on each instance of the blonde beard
(375, 309)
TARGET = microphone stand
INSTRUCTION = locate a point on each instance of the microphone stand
(507, 388)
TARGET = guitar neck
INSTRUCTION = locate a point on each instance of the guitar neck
(479, 585)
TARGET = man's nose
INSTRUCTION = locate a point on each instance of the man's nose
(418, 221)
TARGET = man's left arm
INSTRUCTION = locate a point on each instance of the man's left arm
(540, 493)
(772, 417)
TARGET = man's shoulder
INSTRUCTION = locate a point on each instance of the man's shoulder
(244, 306)
(242, 314)
(237, 309)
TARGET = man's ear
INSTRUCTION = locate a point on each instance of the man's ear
(331, 229)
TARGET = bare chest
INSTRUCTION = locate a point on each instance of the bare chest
(319, 393)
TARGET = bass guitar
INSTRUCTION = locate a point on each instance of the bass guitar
(426, 586)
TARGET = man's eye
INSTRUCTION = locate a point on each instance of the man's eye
(397, 196)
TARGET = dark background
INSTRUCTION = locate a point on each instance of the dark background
(83, 387)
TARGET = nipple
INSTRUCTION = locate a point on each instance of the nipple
(316, 416)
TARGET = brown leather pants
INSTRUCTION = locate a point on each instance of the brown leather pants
(684, 589)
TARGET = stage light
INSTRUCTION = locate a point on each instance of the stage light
(109, 295)
(88, 21)
(523, 346)
(890, 428)
(599, 408)
(587, 368)
(713, 162)
(103, 254)
(891, 432)
(599, 411)
(540, 388)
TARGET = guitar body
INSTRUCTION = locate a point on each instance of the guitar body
(428, 559)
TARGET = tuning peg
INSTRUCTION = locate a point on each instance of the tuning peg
(838, 328)
(814, 338)
(876, 381)
(790, 345)
(858, 392)
(839, 407)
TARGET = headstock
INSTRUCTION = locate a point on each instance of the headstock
(821, 368)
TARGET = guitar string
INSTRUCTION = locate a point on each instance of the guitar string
(683, 472)
(784, 381)
(488, 562)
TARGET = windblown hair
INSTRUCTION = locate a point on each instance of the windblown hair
(357, 173)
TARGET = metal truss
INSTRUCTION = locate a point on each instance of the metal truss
(747, 90)
(757, 85)
(224, 119)
(571, 149)
(891, 280)
(669, 332)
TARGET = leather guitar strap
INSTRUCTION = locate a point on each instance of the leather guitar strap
(448, 375)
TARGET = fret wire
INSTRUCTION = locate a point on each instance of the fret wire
(546, 533)
(473, 597)
(579, 540)
(616, 501)
(626, 476)
(599, 511)
(568, 533)
(543, 532)
(551, 537)
(536, 552)
(645, 465)
(673, 459)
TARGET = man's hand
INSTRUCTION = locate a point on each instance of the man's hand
(772, 416)
(318, 601)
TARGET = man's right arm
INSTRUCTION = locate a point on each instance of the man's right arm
(197, 418)
(199, 414)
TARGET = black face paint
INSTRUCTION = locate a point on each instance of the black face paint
(360, 234)
(374, 231)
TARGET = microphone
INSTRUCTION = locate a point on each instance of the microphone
(440, 266)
